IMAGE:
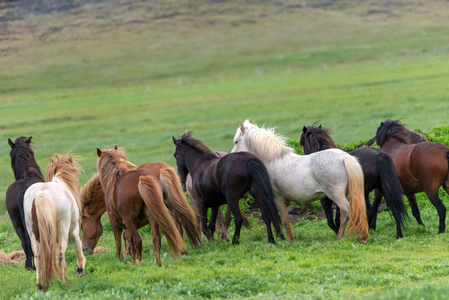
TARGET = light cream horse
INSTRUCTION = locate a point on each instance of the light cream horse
(51, 217)
(305, 178)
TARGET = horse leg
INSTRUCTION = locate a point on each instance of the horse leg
(282, 208)
(37, 261)
(78, 246)
(415, 210)
(117, 230)
(441, 209)
(203, 216)
(135, 243)
(343, 205)
(233, 205)
(326, 204)
(62, 247)
(221, 224)
(155, 229)
(372, 213)
(213, 220)
(24, 236)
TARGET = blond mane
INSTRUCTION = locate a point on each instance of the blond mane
(264, 143)
(112, 163)
(64, 168)
(90, 192)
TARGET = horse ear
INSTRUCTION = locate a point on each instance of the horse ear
(115, 147)
(304, 129)
(174, 140)
(381, 123)
(28, 141)
(242, 128)
(98, 152)
(319, 126)
(11, 144)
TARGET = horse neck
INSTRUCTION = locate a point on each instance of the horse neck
(393, 145)
(72, 184)
(92, 195)
(25, 169)
(193, 159)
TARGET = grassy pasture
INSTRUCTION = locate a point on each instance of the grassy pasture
(137, 73)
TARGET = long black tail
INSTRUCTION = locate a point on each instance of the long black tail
(391, 188)
(262, 182)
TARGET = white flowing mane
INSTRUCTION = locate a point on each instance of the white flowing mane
(264, 143)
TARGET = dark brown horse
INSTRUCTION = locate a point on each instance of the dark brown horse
(222, 224)
(217, 181)
(378, 171)
(93, 207)
(421, 167)
(133, 195)
(26, 173)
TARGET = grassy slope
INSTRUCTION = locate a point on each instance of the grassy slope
(102, 74)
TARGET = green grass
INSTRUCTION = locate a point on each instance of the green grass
(137, 73)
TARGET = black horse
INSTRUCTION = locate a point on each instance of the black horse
(26, 173)
(217, 181)
(379, 173)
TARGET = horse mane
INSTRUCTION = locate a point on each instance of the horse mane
(65, 169)
(395, 129)
(90, 192)
(23, 162)
(112, 163)
(315, 139)
(264, 142)
(198, 145)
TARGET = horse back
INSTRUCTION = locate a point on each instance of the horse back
(429, 162)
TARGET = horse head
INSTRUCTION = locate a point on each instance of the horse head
(315, 139)
(180, 160)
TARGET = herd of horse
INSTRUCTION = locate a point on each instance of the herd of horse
(48, 212)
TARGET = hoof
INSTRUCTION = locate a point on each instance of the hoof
(79, 272)
(39, 287)
(363, 242)
(32, 268)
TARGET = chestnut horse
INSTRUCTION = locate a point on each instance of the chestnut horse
(52, 219)
(93, 207)
(26, 172)
(132, 195)
(421, 167)
(379, 173)
(224, 180)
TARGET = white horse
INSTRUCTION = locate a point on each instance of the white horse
(51, 217)
(305, 178)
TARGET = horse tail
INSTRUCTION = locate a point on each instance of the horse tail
(391, 187)
(262, 182)
(151, 193)
(357, 206)
(177, 204)
(48, 242)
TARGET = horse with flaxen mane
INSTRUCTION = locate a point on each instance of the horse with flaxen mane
(379, 173)
(134, 197)
(93, 207)
(302, 178)
(224, 180)
(52, 218)
(421, 167)
(26, 173)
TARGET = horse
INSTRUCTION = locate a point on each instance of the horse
(379, 173)
(224, 180)
(421, 167)
(26, 173)
(305, 178)
(134, 197)
(222, 224)
(52, 218)
(94, 206)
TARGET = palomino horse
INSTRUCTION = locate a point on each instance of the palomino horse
(52, 218)
(379, 173)
(301, 178)
(26, 173)
(217, 181)
(93, 207)
(421, 167)
(132, 195)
